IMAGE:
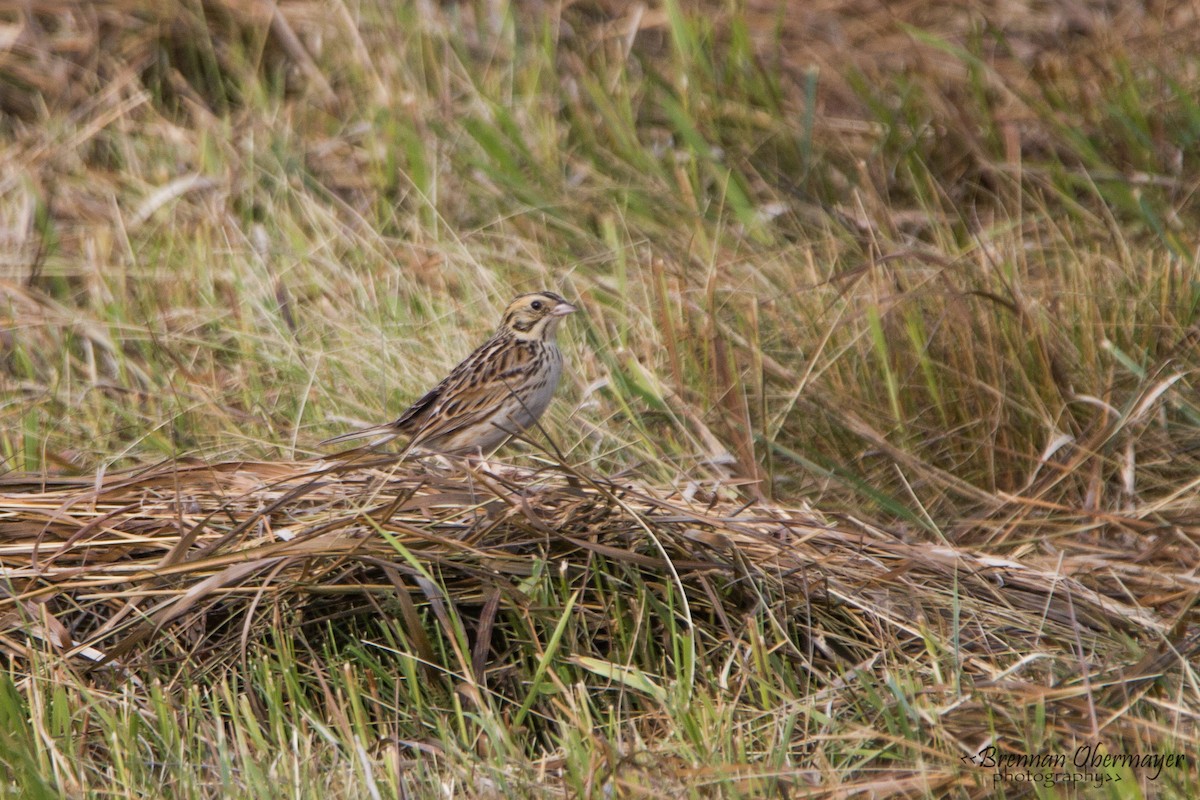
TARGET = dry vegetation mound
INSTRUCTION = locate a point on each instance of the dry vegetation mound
(168, 546)
(188, 563)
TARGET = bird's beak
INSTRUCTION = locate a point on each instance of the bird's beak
(562, 309)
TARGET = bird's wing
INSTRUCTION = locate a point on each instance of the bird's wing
(482, 384)
(487, 381)
(409, 422)
(413, 417)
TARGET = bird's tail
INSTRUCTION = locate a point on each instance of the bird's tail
(382, 433)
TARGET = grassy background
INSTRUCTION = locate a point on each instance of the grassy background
(932, 268)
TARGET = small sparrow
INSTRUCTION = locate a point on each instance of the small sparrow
(500, 389)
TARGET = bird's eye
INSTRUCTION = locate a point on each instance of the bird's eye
(536, 305)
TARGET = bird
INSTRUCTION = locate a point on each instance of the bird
(500, 389)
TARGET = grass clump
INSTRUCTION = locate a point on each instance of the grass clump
(928, 271)
(473, 619)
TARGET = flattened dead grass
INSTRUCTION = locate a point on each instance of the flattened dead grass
(105, 567)
(188, 565)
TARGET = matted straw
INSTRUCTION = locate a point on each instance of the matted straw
(95, 565)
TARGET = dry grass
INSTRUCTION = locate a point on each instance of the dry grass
(879, 439)
(131, 552)
(189, 566)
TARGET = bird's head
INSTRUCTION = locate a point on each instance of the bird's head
(535, 315)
